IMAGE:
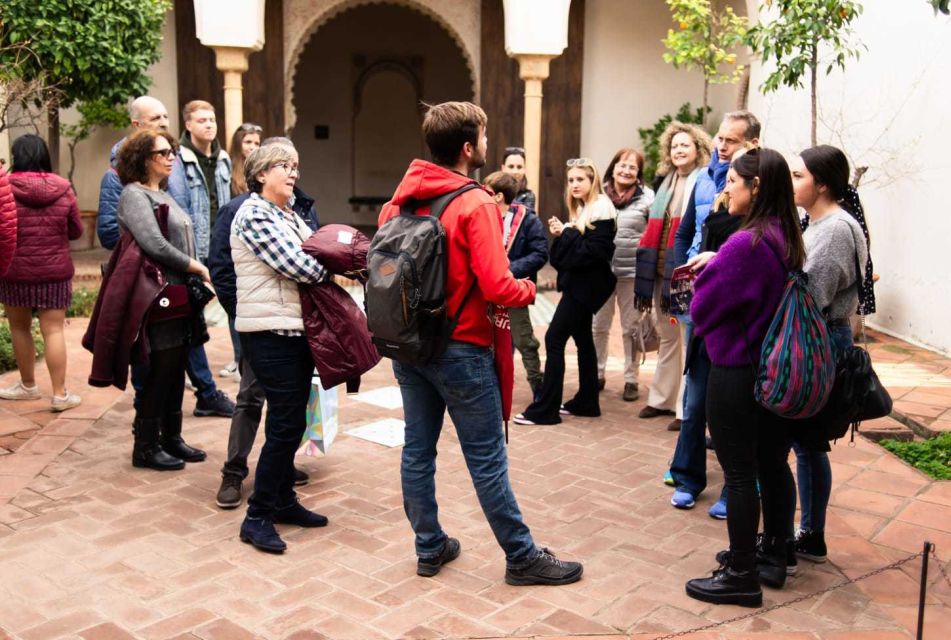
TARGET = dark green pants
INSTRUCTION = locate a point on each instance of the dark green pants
(523, 337)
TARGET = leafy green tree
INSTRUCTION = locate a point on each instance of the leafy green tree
(706, 40)
(941, 5)
(92, 51)
(801, 32)
(98, 113)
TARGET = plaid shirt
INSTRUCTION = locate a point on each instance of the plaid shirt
(256, 225)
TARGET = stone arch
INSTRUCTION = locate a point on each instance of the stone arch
(333, 8)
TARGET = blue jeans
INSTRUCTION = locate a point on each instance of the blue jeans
(813, 471)
(462, 380)
(284, 368)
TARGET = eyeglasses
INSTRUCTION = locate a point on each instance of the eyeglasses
(168, 154)
(288, 168)
(252, 128)
(579, 162)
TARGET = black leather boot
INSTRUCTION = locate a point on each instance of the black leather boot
(146, 451)
(771, 561)
(733, 583)
(172, 441)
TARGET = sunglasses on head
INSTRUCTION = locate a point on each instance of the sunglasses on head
(252, 128)
(579, 162)
(514, 151)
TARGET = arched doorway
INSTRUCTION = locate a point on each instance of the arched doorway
(358, 85)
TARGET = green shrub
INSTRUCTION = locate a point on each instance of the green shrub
(83, 302)
(7, 361)
(650, 137)
(931, 456)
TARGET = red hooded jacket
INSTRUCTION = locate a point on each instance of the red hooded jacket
(47, 219)
(8, 223)
(474, 238)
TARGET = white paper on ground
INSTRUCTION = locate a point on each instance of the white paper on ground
(388, 432)
(385, 397)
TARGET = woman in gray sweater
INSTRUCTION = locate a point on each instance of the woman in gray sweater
(144, 164)
(835, 249)
(632, 200)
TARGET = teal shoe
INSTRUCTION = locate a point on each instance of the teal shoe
(668, 479)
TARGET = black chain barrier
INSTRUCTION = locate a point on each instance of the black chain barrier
(929, 550)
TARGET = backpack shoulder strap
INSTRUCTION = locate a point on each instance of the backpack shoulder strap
(439, 204)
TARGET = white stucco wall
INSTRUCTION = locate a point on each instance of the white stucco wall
(92, 155)
(627, 84)
(890, 112)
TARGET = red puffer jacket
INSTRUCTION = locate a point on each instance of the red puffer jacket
(8, 223)
(47, 219)
(336, 328)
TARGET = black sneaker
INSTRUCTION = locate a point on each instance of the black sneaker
(791, 563)
(811, 545)
(428, 567)
(217, 405)
(229, 494)
(545, 568)
(300, 477)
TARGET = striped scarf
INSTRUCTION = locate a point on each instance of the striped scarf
(648, 251)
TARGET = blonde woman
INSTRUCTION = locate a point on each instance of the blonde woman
(685, 152)
(581, 253)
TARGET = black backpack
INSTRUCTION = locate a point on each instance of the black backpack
(406, 290)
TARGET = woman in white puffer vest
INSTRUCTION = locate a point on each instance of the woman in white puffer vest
(622, 183)
(266, 239)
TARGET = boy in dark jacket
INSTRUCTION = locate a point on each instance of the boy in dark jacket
(250, 400)
(527, 247)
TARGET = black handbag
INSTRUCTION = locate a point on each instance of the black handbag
(198, 294)
(857, 393)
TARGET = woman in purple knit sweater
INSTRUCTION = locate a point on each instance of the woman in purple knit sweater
(736, 295)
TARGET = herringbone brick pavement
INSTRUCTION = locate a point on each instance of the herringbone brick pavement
(92, 548)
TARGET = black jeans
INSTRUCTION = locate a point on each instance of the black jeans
(164, 384)
(571, 320)
(284, 369)
(749, 442)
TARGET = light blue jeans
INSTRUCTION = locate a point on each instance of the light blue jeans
(462, 380)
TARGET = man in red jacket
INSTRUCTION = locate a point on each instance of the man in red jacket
(463, 379)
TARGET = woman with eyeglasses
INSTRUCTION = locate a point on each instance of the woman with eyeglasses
(41, 270)
(632, 201)
(685, 151)
(581, 254)
(246, 139)
(144, 164)
(513, 163)
(266, 239)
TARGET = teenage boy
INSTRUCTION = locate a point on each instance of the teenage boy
(463, 378)
(526, 244)
(201, 183)
(688, 470)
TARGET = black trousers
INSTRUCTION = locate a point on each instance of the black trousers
(750, 442)
(161, 393)
(571, 320)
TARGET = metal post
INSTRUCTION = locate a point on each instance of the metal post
(924, 589)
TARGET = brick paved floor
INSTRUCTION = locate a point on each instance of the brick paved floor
(92, 548)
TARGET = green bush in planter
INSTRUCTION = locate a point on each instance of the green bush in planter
(931, 456)
(83, 302)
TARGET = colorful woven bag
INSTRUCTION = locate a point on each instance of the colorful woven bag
(796, 367)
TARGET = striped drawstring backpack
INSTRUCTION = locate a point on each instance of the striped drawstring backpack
(797, 367)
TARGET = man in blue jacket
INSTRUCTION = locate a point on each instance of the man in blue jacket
(250, 400)
(527, 247)
(688, 470)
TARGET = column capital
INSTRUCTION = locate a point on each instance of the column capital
(232, 58)
(533, 66)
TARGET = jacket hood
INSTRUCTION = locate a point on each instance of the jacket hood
(114, 153)
(38, 189)
(717, 170)
(186, 141)
(425, 181)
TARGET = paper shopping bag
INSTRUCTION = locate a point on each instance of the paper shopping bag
(322, 419)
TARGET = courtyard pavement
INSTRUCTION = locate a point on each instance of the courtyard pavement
(92, 548)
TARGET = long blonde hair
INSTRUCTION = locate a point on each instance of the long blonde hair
(580, 221)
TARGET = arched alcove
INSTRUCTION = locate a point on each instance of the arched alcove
(358, 85)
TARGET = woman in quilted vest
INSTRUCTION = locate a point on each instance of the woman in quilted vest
(735, 298)
(835, 249)
(632, 201)
(41, 273)
(266, 239)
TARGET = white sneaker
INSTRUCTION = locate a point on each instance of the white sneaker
(521, 419)
(64, 402)
(20, 392)
(229, 370)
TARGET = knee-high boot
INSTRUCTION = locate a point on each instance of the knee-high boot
(146, 451)
(172, 441)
